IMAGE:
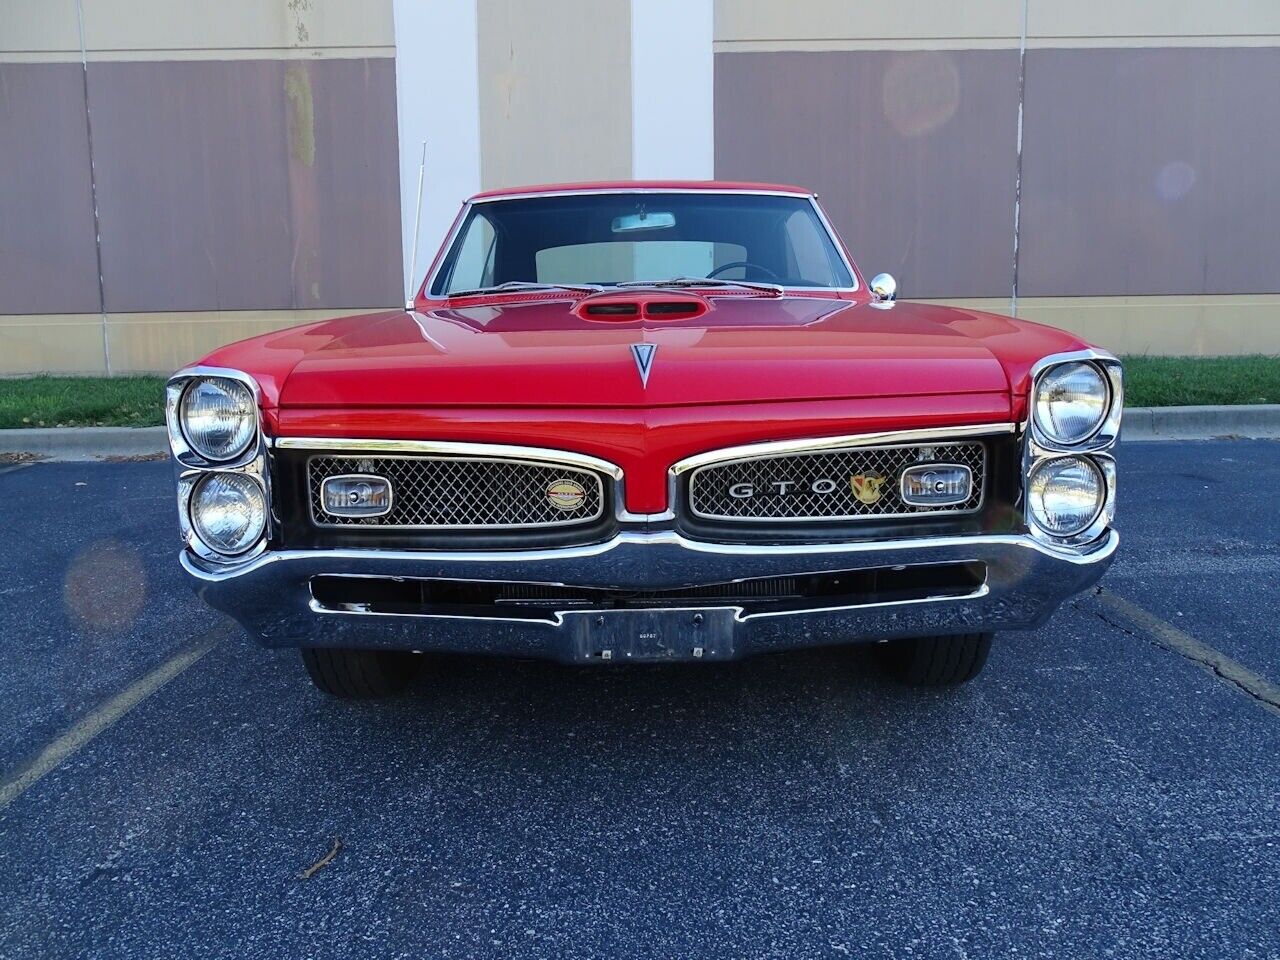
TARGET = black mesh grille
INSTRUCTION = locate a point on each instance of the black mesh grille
(465, 493)
(826, 485)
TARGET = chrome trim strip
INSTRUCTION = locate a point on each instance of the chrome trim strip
(594, 475)
(981, 591)
(739, 613)
(782, 448)
(543, 455)
(506, 559)
(841, 517)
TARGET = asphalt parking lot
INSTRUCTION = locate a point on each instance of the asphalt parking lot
(1110, 786)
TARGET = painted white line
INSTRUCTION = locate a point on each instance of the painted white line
(17, 782)
(1171, 638)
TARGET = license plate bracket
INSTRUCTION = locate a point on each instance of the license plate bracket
(651, 636)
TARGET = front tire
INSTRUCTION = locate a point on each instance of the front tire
(360, 674)
(940, 661)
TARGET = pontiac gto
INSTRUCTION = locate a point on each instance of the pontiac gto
(629, 422)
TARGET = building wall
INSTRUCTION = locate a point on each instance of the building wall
(256, 163)
(1147, 218)
(244, 156)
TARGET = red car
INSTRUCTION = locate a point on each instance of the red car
(632, 422)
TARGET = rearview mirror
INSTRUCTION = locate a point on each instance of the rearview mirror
(643, 221)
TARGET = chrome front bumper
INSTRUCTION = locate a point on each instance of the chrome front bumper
(1026, 580)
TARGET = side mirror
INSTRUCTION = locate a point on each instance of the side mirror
(884, 287)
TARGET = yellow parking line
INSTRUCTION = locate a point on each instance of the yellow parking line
(17, 782)
(1169, 636)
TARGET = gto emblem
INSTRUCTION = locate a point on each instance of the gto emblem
(566, 495)
(867, 487)
(782, 488)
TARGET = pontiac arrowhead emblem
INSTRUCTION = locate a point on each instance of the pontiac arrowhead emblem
(643, 353)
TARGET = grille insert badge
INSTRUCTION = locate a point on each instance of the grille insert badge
(356, 495)
(937, 485)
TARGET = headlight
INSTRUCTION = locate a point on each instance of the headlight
(1071, 402)
(228, 512)
(219, 418)
(1065, 495)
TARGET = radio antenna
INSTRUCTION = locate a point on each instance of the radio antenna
(417, 226)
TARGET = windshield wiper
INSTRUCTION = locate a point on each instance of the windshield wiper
(772, 288)
(528, 285)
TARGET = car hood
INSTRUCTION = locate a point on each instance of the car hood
(543, 352)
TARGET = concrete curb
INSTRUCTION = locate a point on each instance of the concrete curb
(1260, 421)
(1140, 423)
(85, 443)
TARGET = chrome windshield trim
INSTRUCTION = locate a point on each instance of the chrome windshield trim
(448, 448)
(581, 191)
(426, 288)
(782, 448)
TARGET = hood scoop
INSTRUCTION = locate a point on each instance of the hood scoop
(627, 307)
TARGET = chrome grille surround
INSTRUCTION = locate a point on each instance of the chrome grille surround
(444, 492)
(709, 498)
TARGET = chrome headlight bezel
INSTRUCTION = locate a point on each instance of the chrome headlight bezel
(1095, 448)
(198, 541)
(1107, 430)
(176, 392)
(192, 467)
(1100, 515)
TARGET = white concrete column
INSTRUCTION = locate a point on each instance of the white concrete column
(672, 96)
(437, 101)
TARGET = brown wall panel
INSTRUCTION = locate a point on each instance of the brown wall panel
(47, 258)
(912, 153)
(249, 184)
(1150, 171)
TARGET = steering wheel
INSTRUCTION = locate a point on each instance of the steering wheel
(744, 264)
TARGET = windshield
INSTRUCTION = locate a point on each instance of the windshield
(609, 238)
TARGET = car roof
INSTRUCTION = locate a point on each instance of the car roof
(624, 186)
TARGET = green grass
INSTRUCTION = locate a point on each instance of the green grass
(82, 402)
(1187, 381)
(139, 401)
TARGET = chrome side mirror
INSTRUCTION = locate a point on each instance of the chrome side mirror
(884, 287)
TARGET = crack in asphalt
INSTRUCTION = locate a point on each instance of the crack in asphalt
(1144, 625)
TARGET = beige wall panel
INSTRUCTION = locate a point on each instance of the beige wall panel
(229, 24)
(165, 342)
(139, 342)
(38, 26)
(832, 21)
(1104, 19)
(179, 29)
(555, 91)
(1160, 326)
(57, 343)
